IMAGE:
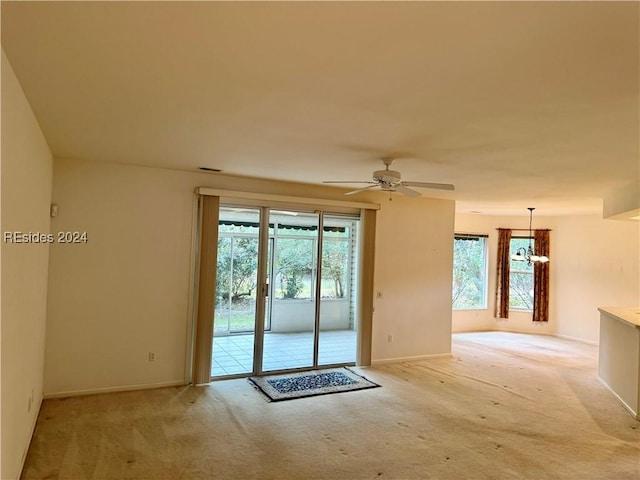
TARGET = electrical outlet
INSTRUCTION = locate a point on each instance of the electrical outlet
(152, 356)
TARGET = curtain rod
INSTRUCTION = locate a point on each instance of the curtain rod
(526, 229)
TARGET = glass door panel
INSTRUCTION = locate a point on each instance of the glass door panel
(222, 317)
(289, 341)
(269, 287)
(236, 291)
(242, 298)
(337, 336)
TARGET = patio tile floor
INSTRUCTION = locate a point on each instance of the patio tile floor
(233, 354)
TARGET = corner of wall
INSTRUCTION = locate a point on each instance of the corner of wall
(27, 165)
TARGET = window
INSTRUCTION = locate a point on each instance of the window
(521, 278)
(469, 272)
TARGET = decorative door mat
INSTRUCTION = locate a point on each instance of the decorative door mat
(308, 384)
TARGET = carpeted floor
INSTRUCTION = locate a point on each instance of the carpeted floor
(505, 406)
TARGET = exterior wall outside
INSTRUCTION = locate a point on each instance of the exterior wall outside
(299, 315)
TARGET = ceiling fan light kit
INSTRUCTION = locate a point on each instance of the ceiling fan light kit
(528, 255)
(391, 181)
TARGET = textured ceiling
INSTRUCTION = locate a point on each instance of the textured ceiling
(517, 104)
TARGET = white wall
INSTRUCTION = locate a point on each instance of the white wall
(413, 272)
(26, 195)
(594, 263)
(478, 320)
(598, 266)
(125, 292)
(623, 203)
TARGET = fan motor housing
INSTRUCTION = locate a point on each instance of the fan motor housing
(387, 176)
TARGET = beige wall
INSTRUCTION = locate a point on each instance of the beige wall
(594, 263)
(26, 195)
(598, 268)
(472, 320)
(125, 292)
(413, 272)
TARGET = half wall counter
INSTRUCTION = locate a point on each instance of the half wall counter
(619, 355)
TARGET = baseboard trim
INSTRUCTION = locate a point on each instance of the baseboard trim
(123, 388)
(479, 330)
(578, 339)
(633, 413)
(33, 430)
(526, 332)
(385, 361)
(532, 332)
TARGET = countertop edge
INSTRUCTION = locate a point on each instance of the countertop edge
(628, 315)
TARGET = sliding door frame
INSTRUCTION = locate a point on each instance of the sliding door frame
(262, 291)
(316, 323)
(203, 310)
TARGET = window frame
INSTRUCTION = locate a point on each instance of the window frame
(526, 272)
(485, 270)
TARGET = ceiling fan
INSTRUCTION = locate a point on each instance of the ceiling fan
(390, 181)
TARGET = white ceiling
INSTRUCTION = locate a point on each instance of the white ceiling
(517, 104)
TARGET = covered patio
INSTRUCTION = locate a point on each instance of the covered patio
(233, 354)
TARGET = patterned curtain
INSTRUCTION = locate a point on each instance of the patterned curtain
(541, 278)
(502, 274)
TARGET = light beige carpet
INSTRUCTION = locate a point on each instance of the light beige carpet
(505, 406)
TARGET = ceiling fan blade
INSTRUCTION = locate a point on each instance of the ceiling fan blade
(406, 191)
(362, 189)
(438, 186)
(345, 181)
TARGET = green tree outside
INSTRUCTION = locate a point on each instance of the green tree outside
(469, 273)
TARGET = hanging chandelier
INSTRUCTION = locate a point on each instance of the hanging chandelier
(528, 255)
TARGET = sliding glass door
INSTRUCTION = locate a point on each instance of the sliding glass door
(308, 288)
(337, 329)
(236, 291)
(289, 342)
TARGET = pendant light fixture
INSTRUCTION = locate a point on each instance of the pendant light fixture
(528, 255)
